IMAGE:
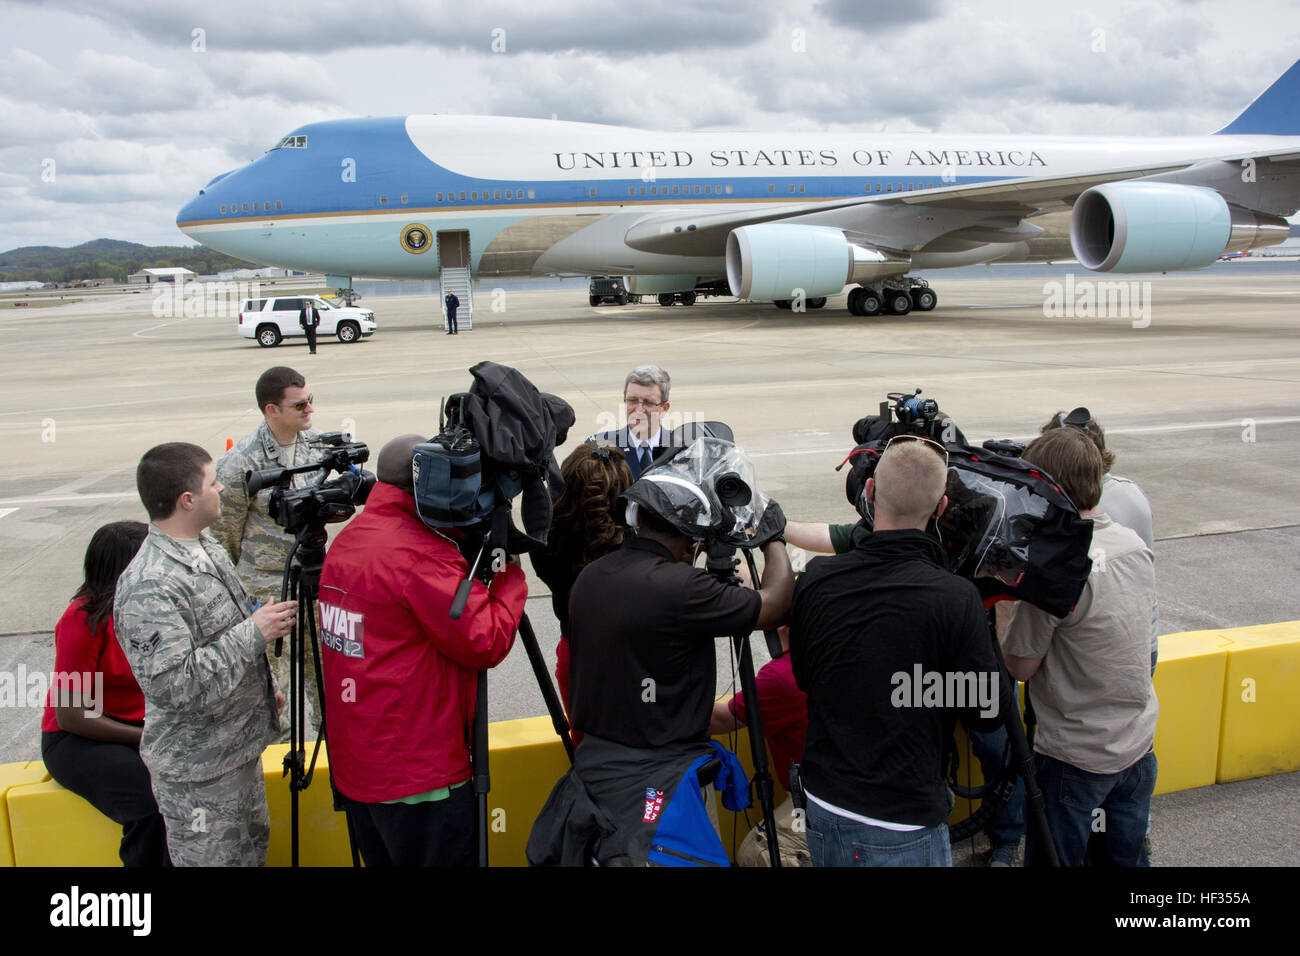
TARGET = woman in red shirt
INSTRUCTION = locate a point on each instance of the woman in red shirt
(94, 712)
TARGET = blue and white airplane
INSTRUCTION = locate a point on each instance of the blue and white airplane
(780, 217)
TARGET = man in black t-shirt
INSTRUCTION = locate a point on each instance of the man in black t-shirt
(642, 626)
(890, 648)
(643, 622)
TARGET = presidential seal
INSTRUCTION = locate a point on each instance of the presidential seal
(415, 238)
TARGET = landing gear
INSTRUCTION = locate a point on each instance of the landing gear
(786, 304)
(892, 297)
(923, 298)
(865, 302)
(816, 303)
(898, 302)
(688, 298)
(666, 299)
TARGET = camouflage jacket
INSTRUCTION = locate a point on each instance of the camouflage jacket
(255, 543)
(199, 658)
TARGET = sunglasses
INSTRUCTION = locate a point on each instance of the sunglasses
(928, 442)
(300, 406)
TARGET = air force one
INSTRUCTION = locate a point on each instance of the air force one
(777, 217)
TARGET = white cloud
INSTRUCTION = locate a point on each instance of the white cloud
(114, 92)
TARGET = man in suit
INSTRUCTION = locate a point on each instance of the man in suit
(309, 319)
(645, 396)
(452, 303)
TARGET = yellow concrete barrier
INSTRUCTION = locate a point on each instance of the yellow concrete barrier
(14, 775)
(1189, 682)
(1261, 702)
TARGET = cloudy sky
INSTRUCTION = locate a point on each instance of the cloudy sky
(114, 112)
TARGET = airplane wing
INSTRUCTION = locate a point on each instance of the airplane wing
(891, 219)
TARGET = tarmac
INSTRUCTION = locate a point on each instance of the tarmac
(1199, 392)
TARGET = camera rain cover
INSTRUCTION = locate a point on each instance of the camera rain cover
(1008, 527)
(706, 490)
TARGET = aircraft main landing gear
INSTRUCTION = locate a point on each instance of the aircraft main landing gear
(892, 297)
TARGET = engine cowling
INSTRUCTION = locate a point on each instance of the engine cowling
(1149, 227)
(773, 260)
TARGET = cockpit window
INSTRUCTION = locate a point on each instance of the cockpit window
(292, 142)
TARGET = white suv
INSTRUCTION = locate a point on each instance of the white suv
(270, 320)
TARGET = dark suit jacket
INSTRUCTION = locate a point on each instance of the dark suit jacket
(624, 440)
(308, 315)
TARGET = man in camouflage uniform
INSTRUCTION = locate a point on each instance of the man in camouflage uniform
(256, 544)
(198, 652)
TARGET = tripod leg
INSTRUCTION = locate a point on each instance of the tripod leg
(1035, 812)
(758, 747)
(553, 706)
(482, 781)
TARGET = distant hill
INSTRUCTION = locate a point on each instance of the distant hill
(109, 258)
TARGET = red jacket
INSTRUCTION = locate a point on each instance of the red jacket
(399, 673)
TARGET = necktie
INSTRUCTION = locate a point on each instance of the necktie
(644, 459)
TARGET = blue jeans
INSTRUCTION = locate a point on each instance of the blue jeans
(1072, 799)
(838, 841)
(1008, 826)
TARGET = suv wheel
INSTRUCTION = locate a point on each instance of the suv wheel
(268, 336)
(349, 332)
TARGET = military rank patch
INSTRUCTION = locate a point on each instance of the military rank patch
(146, 646)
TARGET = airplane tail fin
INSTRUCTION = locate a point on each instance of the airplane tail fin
(1276, 111)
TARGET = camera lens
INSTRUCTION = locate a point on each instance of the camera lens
(732, 490)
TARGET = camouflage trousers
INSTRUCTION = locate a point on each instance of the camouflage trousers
(218, 822)
(792, 844)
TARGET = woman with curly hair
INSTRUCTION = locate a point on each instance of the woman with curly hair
(586, 525)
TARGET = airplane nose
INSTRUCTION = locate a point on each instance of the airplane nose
(191, 211)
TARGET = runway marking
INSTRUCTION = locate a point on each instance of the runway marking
(7, 511)
(164, 325)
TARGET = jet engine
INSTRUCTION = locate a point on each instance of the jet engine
(1158, 227)
(770, 261)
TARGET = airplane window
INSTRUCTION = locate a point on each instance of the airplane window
(717, 190)
(532, 194)
(697, 190)
(301, 142)
(439, 198)
(642, 191)
(802, 188)
(245, 207)
(462, 196)
(592, 191)
(654, 190)
(278, 204)
(223, 209)
(889, 187)
(496, 194)
(383, 200)
(474, 195)
(510, 194)
(728, 190)
(404, 197)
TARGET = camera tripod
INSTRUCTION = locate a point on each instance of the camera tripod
(301, 583)
(1019, 762)
(721, 564)
(493, 543)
